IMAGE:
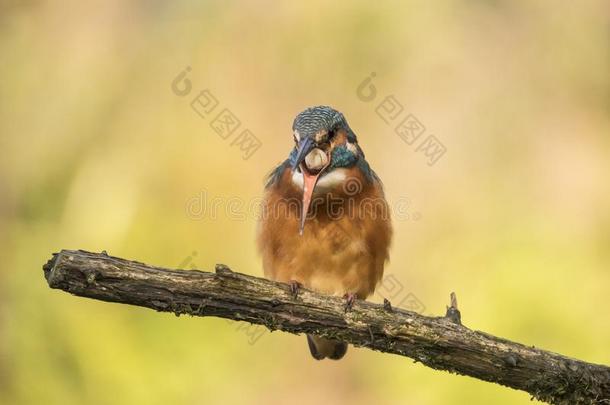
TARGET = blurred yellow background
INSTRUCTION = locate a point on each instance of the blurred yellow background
(99, 153)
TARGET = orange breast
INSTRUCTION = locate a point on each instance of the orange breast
(345, 241)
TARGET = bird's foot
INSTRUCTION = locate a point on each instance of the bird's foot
(295, 288)
(349, 301)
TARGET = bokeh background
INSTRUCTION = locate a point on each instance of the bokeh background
(98, 153)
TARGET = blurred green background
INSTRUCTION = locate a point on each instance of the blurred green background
(98, 153)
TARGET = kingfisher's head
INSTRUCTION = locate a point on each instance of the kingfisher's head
(324, 142)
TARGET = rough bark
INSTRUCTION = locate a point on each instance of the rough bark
(441, 343)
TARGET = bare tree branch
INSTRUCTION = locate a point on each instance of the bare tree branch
(441, 343)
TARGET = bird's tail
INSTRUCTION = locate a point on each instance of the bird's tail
(322, 348)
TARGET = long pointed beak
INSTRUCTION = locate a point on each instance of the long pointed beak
(305, 146)
(309, 183)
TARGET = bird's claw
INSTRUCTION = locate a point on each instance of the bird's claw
(349, 301)
(295, 287)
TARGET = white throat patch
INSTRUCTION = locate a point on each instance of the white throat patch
(326, 181)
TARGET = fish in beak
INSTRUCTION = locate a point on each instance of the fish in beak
(312, 161)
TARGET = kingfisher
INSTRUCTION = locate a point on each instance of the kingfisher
(325, 223)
